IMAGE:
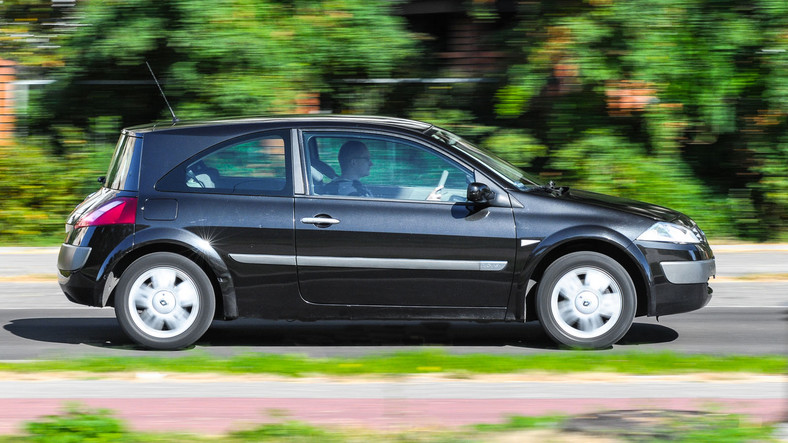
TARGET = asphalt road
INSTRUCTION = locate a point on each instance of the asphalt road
(744, 317)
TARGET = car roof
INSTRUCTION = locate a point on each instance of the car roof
(249, 123)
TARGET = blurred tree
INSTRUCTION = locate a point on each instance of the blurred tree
(678, 102)
(39, 189)
(31, 31)
(696, 87)
(219, 57)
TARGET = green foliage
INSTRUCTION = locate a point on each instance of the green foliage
(681, 103)
(513, 98)
(78, 424)
(722, 428)
(519, 422)
(291, 431)
(695, 92)
(771, 165)
(607, 163)
(225, 57)
(30, 32)
(516, 146)
(40, 189)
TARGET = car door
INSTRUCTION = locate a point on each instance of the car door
(238, 197)
(390, 245)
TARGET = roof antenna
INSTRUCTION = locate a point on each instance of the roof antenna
(174, 118)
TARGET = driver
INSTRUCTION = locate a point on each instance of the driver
(354, 160)
(355, 163)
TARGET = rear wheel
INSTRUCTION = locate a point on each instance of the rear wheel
(586, 300)
(164, 301)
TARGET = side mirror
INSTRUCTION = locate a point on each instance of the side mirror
(480, 193)
(102, 179)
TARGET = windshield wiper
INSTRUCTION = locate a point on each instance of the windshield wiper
(553, 189)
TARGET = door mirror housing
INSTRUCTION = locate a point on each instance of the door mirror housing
(480, 194)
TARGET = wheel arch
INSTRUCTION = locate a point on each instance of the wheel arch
(194, 249)
(604, 241)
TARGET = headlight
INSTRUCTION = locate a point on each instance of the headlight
(669, 232)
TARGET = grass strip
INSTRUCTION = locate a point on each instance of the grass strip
(428, 361)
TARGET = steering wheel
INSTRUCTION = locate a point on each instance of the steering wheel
(436, 193)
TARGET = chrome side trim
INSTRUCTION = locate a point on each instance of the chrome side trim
(688, 272)
(262, 259)
(402, 263)
(374, 263)
(528, 242)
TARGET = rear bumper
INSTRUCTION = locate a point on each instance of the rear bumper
(86, 260)
(72, 258)
(77, 288)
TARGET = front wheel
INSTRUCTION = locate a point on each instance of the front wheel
(164, 301)
(586, 300)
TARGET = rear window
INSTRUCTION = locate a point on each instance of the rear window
(120, 175)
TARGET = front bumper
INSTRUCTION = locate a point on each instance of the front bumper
(689, 272)
(679, 276)
(675, 299)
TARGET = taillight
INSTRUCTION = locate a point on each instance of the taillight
(118, 211)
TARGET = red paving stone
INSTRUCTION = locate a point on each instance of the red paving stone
(213, 416)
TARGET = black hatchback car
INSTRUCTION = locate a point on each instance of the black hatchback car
(335, 217)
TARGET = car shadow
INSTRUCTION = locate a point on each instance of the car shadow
(251, 333)
(102, 332)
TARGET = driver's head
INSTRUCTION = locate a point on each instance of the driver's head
(354, 159)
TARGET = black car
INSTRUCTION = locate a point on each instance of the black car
(336, 217)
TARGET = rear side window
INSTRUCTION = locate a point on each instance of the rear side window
(255, 165)
(121, 175)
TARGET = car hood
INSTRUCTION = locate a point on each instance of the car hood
(629, 206)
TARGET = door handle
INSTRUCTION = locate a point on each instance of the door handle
(318, 221)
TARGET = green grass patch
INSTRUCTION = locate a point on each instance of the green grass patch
(518, 422)
(76, 424)
(717, 428)
(431, 361)
(291, 431)
(53, 239)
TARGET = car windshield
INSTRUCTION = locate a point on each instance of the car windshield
(512, 174)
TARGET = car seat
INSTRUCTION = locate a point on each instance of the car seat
(318, 168)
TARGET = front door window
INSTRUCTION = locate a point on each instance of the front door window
(372, 166)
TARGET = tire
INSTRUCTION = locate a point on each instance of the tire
(586, 300)
(164, 301)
